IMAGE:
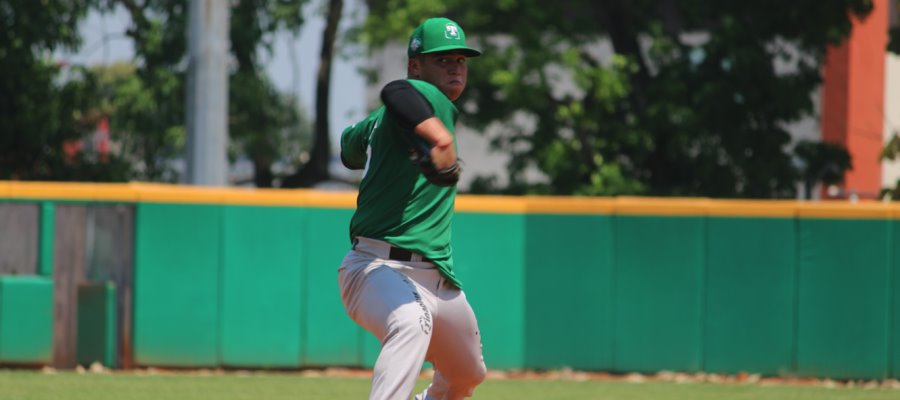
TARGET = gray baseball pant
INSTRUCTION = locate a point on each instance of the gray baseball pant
(417, 315)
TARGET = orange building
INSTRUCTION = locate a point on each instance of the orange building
(860, 108)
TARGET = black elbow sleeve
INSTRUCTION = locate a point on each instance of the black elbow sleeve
(406, 104)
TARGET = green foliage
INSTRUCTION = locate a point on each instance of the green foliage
(894, 33)
(822, 162)
(41, 109)
(145, 104)
(50, 105)
(146, 135)
(254, 21)
(693, 100)
(891, 152)
(266, 126)
(148, 110)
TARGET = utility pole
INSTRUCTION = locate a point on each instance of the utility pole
(207, 92)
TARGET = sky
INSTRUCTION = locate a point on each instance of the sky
(292, 66)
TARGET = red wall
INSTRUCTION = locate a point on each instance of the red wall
(853, 99)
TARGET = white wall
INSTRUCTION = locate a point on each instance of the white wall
(890, 171)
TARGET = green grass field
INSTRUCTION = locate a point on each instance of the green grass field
(33, 385)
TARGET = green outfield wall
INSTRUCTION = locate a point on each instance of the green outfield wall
(248, 279)
(97, 340)
(26, 320)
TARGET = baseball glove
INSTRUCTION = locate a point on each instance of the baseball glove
(420, 154)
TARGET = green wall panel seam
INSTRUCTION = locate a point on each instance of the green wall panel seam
(614, 258)
(795, 339)
(112, 340)
(614, 276)
(132, 329)
(523, 298)
(611, 295)
(304, 297)
(891, 311)
(45, 238)
(704, 295)
(220, 296)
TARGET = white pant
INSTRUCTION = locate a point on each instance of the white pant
(417, 315)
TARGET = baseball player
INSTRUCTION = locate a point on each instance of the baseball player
(397, 282)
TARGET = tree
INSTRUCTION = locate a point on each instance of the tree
(145, 102)
(692, 99)
(821, 162)
(41, 109)
(894, 33)
(316, 170)
(263, 123)
(266, 125)
(891, 152)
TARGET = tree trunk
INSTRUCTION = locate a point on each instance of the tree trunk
(262, 173)
(615, 15)
(316, 170)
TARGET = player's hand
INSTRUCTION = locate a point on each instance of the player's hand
(432, 150)
(447, 176)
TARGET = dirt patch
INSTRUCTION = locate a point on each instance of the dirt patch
(680, 377)
(562, 374)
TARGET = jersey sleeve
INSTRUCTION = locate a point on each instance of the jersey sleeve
(355, 141)
(440, 105)
(406, 104)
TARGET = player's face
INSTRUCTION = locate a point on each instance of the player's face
(448, 71)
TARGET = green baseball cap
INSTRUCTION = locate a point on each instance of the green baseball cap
(439, 34)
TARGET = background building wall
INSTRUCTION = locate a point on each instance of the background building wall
(891, 169)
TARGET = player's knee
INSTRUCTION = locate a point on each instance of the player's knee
(466, 381)
(478, 375)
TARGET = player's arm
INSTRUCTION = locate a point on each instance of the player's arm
(415, 114)
(354, 141)
(443, 154)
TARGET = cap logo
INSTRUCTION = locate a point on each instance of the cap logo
(451, 32)
(414, 44)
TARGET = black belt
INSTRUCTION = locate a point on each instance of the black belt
(399, 254)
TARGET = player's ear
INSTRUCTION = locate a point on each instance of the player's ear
(413, 67)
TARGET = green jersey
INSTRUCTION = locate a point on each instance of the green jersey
(396, 203)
